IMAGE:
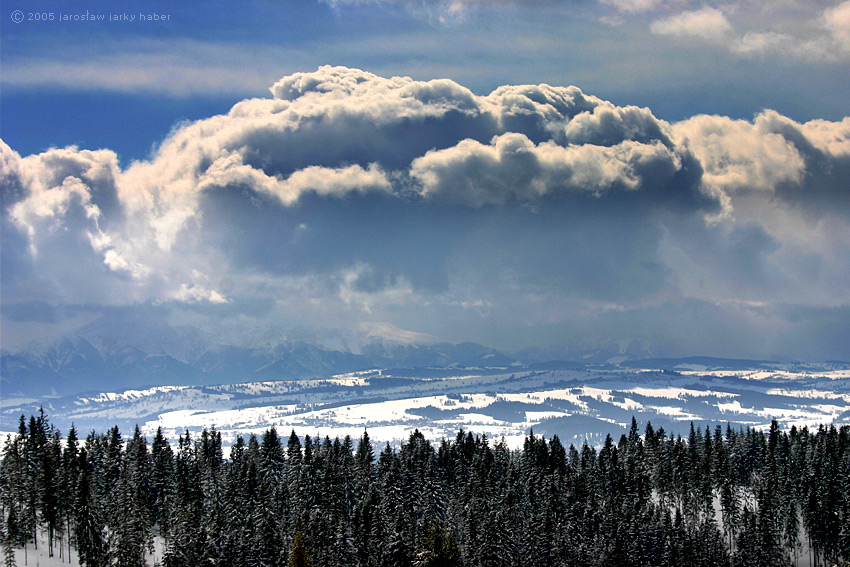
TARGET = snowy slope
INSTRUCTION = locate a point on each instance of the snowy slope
(577, 405)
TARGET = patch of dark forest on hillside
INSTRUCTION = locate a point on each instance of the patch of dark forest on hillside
(741, 497)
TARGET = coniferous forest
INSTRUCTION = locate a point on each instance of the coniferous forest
(722, 497)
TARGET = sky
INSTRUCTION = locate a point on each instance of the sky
(516, 173)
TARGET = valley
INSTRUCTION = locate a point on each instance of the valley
(577, 403)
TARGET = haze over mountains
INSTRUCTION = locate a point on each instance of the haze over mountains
(115, 353)
(112, 353)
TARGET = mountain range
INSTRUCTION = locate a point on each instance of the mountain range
(115, 353)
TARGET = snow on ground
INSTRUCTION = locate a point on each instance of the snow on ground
(809, 394)
(575, 404)
(764, 374)
(40, 557)
(441, 415)
(129, 394)
(731, 407)
(675, 412)
(673, 393)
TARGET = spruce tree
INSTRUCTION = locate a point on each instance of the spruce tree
(299, 556)
(440, 549)
(88, 525)
(11, 537)
(637, 502)
(161, 479)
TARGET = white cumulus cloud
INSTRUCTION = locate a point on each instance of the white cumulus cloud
(837, 20)
(706, 23)
(355, 199)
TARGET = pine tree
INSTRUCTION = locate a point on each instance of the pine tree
(364, 464)
(14, 482)
(130, 535)
(48, 485)
(366, 528)
(185, 545)
(397, 551)
(34, 443)
(271, 451)
(162, 471)
(299, 556)
(68, 478)
(637, 502)
(88, 526)
(440, 548)
(11, 537)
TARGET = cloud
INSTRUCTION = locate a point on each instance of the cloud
(512, 167)
(444, 12)
(390, 332)
(177, 67)
(633, 6)
(707, 23)
(404, 207)
(837, 20)
(814, 32)
(739, 155)
(325, 181)
(802, 163)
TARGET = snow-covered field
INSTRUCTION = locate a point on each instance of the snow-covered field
(577, 405)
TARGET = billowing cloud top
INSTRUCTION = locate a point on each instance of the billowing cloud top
(349, 199)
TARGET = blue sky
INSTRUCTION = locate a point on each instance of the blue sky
(65, 78)
(693, 196)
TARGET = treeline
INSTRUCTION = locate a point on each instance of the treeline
(716, 498)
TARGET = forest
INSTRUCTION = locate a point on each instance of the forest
(722, 497)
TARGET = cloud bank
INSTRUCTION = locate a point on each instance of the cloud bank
(527, 216)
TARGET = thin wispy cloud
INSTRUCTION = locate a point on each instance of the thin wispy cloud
(179, 67)
(809, 32)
